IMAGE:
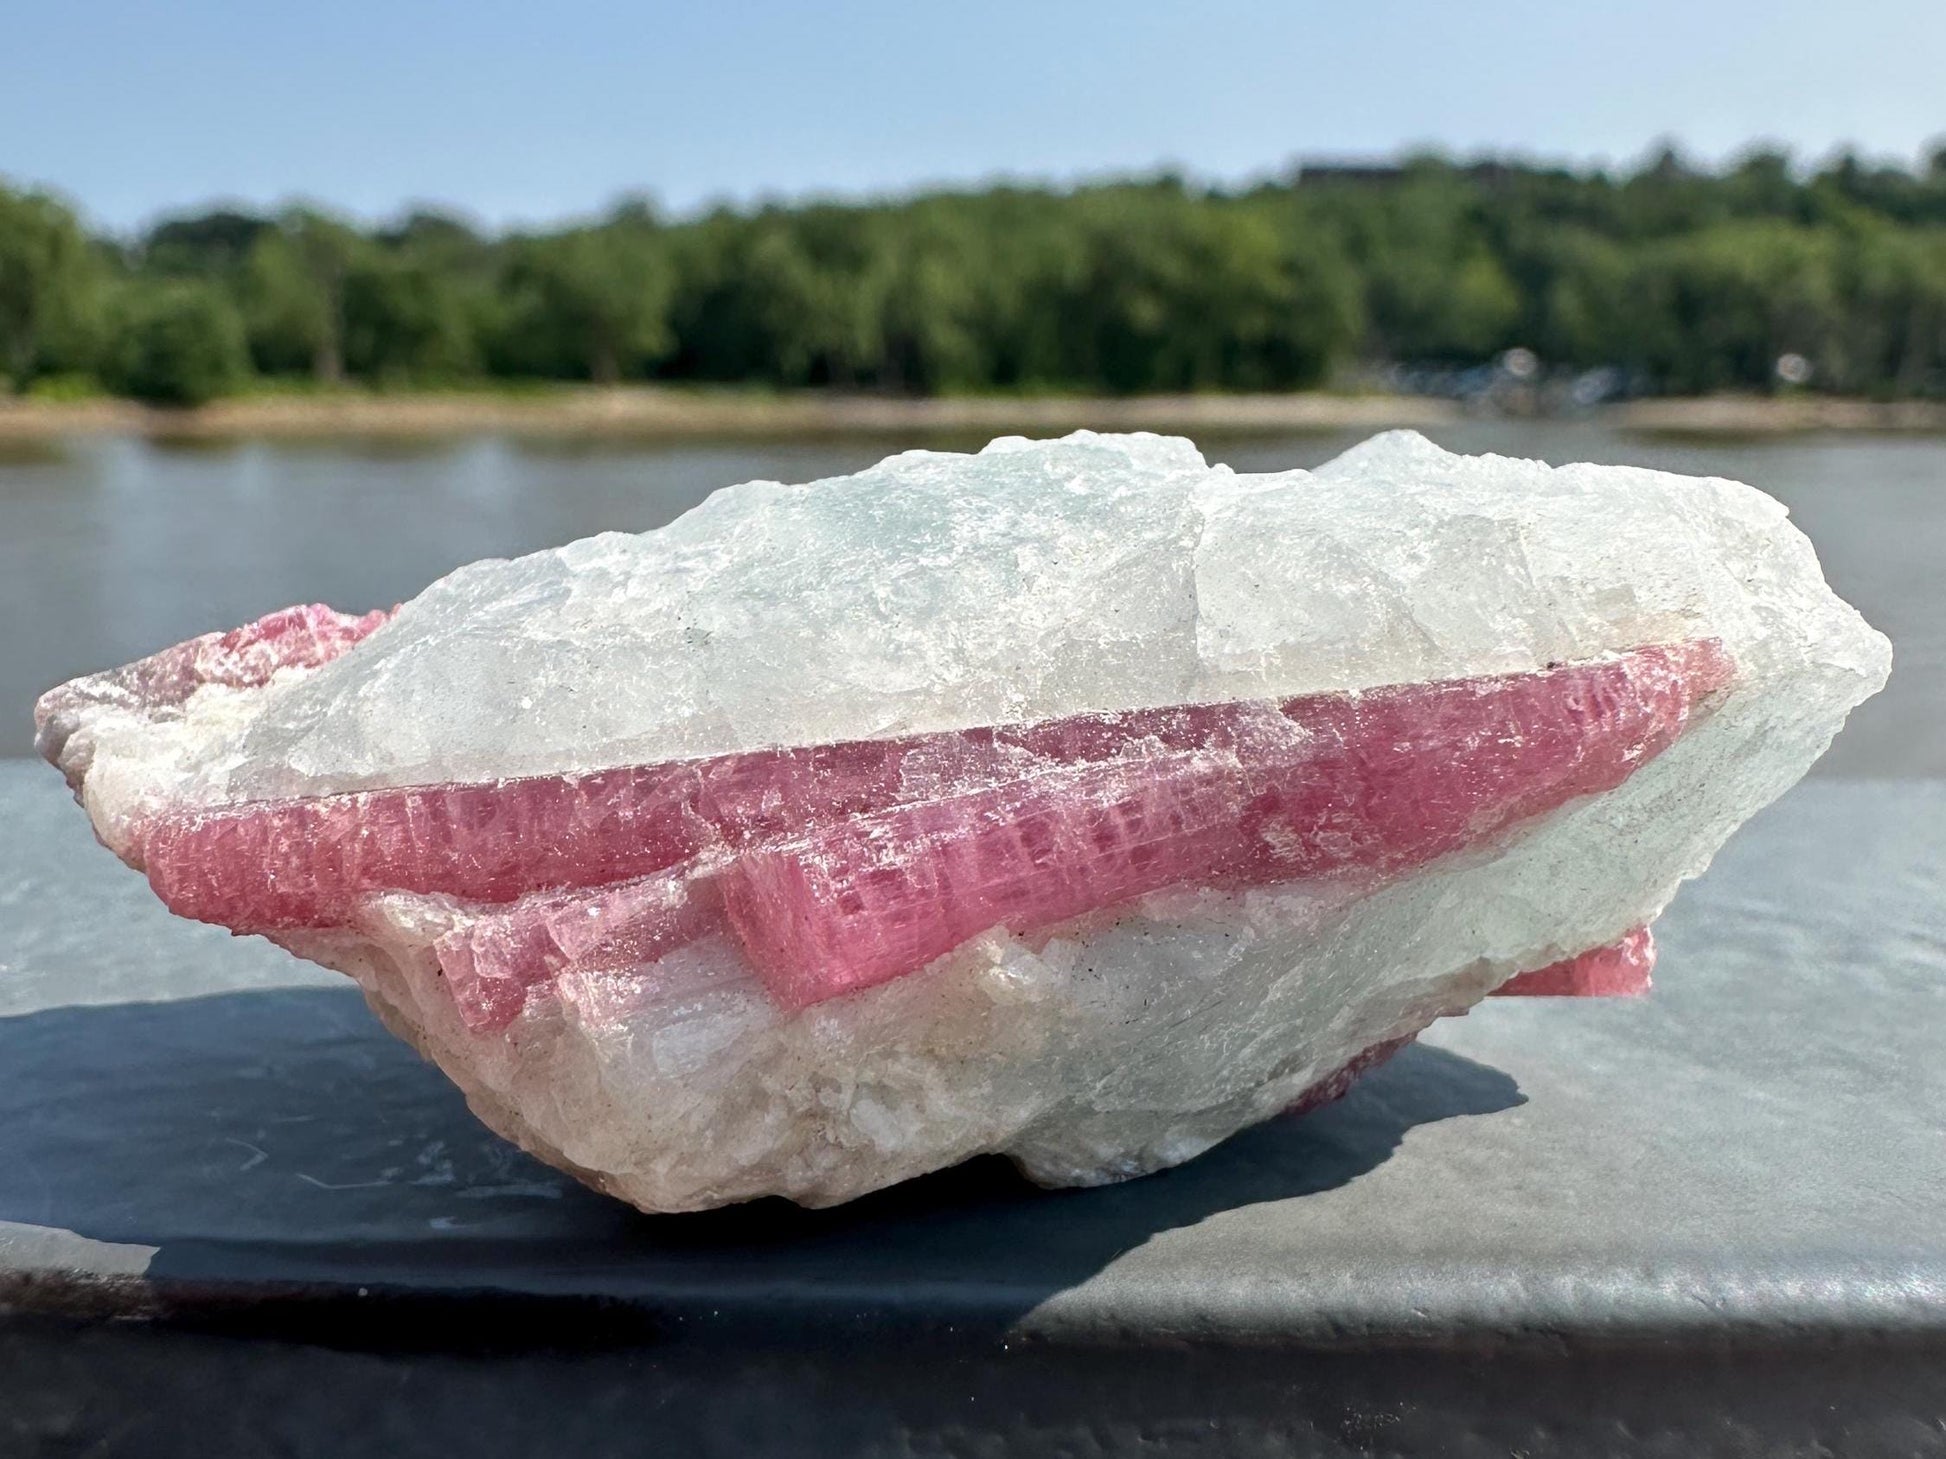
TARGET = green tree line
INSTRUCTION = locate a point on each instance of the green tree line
(1682, 279)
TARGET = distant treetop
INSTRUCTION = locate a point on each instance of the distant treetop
(1669, 278)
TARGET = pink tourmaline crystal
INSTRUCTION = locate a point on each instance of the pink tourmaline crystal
(1073, 800)
(243, 658)
(831, 879)
(1377, 783)
(1619, 970)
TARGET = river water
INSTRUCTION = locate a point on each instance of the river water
(112, 547)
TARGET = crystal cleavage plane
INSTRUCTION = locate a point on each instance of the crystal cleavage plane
(1074, 800)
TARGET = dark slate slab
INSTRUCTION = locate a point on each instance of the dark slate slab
(235, 1216)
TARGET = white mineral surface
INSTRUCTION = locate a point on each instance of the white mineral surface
(1029, 581)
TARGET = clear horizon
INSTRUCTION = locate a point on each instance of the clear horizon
(511, 117)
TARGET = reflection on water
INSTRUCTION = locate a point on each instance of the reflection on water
(110, 548)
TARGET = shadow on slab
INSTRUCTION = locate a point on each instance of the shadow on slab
(280, 1138)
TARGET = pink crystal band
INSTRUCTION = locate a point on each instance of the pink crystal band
(837, 867)
(1619, 970)
(303, 637)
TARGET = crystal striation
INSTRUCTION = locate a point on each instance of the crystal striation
(1074, 800)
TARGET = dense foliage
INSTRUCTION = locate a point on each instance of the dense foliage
(1679, 280)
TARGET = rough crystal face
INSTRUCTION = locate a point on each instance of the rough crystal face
(1074, 800)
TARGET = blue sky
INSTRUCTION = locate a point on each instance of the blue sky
(536, 111)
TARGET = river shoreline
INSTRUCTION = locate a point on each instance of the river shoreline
(651, 413)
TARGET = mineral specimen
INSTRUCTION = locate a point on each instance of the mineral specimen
(1075, 800)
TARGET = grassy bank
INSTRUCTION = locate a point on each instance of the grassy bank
(1756, 415)
(652, 413)
(655, 413)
